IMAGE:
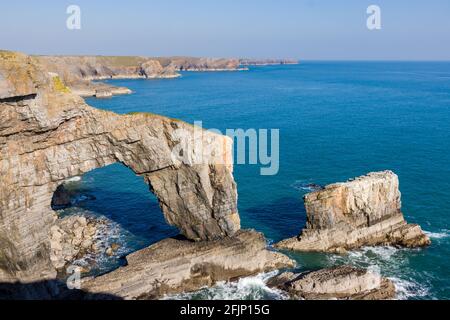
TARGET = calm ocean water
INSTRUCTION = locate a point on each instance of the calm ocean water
(336, 121)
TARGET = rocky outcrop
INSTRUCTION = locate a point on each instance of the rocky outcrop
(79, 71)
(71, 238)
(174, 266)
(152, 69)
(343, 283)
(364, 211)
(48, 134)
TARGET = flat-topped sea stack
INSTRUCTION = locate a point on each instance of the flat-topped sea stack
(342, 283)
(364, 211)
(49, 135)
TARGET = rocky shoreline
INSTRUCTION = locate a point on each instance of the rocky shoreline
(48, 134)
(79, 73)
(82, 73)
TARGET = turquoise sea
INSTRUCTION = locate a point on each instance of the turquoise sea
(337, 120)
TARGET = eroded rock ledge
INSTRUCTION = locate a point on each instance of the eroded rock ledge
(364, 211)
(174, 266)
(48, 135)
(343, 283)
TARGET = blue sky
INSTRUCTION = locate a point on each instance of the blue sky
(304, 29)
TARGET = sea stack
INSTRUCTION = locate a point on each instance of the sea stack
(364, 211)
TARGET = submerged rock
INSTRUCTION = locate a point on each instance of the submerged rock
(344, 282)
(173, 266)
(361, 212)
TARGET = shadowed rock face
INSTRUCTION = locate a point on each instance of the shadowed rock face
(362, 211)
(48, 135)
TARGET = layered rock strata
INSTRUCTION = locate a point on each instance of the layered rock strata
(364, 211)
(48, 135)
(202, 64)
(78, 72)
(174, 266)
(343, 282)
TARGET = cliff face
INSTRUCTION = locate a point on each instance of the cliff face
(201, 64)
(79, 71)
(76, 68)
(362, 211)
(48, 134)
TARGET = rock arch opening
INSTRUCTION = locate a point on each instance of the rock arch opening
(103, 215)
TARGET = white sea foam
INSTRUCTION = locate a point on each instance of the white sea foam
(73, 179)
(392, 263)
(382, 252)
(367, 256)
(407, 289)
(253, 288)
(438, 235)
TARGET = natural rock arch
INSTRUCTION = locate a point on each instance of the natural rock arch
(48, 135)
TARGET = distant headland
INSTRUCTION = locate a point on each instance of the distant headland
(78, 72)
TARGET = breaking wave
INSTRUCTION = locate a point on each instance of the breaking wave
(391, 262)
(438, 235)
(250, 288)
(409, 289)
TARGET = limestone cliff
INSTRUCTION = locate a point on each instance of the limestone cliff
(48, 134)
(362, 211)
(202, 64)
(78, 72)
